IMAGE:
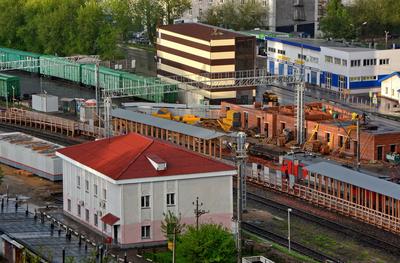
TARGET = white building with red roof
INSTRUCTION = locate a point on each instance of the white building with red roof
(122, 186)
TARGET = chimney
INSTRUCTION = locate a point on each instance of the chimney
(158, 163)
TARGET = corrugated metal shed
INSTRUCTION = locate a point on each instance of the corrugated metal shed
(167, 124)
(356, 178)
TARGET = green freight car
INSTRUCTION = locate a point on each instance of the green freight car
(60, 68)
(31, 59)
(109, 79)
(153, 88)
(9, 87)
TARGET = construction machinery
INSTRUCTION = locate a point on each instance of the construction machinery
(232, 119)
(186, 118)
(393, 158)
(270, 98)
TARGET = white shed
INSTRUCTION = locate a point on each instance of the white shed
(45, 103)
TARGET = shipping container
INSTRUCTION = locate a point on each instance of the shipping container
(60, 68)
(31, 154)
(32, 59)
(9, 86)
(109, 79)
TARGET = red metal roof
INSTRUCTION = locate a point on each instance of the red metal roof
(110, 219)
(125, 157)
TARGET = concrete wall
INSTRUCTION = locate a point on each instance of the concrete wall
(124, 201)
(390, 88)
(91, 201)
(215, 193)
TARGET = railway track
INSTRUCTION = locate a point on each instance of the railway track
(361, 236)
(316, 255)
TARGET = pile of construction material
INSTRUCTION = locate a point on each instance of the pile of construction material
(31, 154)
(312, 146)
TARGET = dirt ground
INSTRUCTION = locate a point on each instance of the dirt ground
(38, 189)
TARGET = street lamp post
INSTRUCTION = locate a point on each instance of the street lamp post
(288, 215)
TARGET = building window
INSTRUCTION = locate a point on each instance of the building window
(78, 181)
(282, 52)
(386, 90)
(96, 219)
(69, 205)
(145, 232)
(145, 202)
(87, 215)
(355, 79)
(355, 63)
(344, 62)
(328, 80)
(95, 190)
(328, 59)
(104, 227)
(210, 1)
(104, 194)
(392, 92)
(78, 208)
(341, 141)
(171, 199)
(190, 11)
(384, 61)
(368, 78)
(242, 2)
(264, 3)
(314, 60)
(302, 57)
(87, 186)
(338, 61)
(328, 137)
(271, 49)
(393, 148)
(200, 12)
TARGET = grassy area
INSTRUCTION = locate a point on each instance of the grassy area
(280, 248)
(141, 46)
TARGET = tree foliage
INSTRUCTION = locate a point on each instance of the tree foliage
(171, 224)
(337, 22)
(236, 16)
(152, 13)
(66, 27)
(211, 243)
(363, 18)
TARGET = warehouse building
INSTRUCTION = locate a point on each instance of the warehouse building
(325, 123)
(197, 139)
(31, 154)
(122, 186)
(331, 65)
(390, 90)
(198, 52)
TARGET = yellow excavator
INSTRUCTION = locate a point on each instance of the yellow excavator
(232, 119)
(186, 118)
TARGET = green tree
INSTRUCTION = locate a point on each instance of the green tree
(173, 9)
(236, 16)
(10, 20)
(211, 243)
(122, 17)
(337, 23)
(150, 12)
(171, 224)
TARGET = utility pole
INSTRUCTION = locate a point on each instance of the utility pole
(198, 212)
(386, 38)
(358, 144)
(97, 79)
(241, 167)
(288, 215)
(173, 246)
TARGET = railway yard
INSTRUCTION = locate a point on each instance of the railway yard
(341, 184)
